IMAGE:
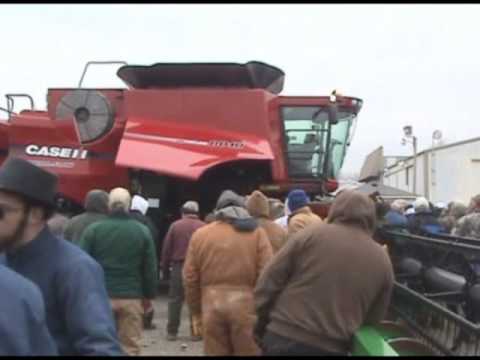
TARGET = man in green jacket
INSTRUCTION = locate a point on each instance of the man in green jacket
(126, 251)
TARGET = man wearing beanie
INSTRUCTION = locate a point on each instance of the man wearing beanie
(79, 316)
(222, 266)
(96, 208)
(301, 215)
(124, 248)
(174, 252)
(258, 206)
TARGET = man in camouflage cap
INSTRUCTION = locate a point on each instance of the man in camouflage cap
(469, 225)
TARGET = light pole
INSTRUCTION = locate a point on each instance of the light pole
(436, 135)
(410, 138)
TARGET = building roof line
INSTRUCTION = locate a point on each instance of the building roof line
(462, 142)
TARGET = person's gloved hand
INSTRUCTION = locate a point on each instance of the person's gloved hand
(196, 321)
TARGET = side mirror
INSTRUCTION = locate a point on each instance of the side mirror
(332, 113)
(332, 108)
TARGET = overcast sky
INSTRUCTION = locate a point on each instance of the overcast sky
(411, 64)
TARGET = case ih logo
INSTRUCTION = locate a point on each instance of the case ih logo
(56, 152)
(226, 144)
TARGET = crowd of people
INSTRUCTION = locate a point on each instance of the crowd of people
(259, 276)
(421, 217)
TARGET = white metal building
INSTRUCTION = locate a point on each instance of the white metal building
(444, 173)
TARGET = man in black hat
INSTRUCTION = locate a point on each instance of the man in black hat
(79, 315)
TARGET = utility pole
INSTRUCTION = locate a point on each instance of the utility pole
(414, 142)
(408, 131)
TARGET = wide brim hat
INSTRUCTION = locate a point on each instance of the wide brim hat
(21, 177)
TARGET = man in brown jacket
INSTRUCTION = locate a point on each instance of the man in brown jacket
(224, 260)
(258, 206)
(326, 282)
(301, 215)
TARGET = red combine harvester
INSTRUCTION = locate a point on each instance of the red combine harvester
(185, 131)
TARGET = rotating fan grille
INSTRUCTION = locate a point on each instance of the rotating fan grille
(92, 112)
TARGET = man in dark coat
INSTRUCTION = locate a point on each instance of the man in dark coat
(79, 316)
(325, 283)
(96, 208)
(423, 222)
(23, 328)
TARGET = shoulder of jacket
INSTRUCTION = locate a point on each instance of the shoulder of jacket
(144, 228)
(17, 285)
(72, 258)
(200, 231)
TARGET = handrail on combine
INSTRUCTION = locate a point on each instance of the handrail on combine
(11, 103)
(98, 63)
(7, 111)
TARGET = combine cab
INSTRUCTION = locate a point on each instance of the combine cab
(186, 131)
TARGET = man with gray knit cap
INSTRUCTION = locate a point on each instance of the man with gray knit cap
(174, 251)
(125, 250)
(96, 208)
(223, 262)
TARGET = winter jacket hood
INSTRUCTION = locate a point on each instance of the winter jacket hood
(229, 198)
(97, 201)
(139, 204)
(257, 205)
(230, 209)
(353, 208)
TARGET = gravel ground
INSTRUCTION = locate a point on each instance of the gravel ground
(154, 341)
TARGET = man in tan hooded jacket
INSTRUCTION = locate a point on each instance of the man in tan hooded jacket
(300, 213)
(258, 206)
(326, 282)
(224, 260)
